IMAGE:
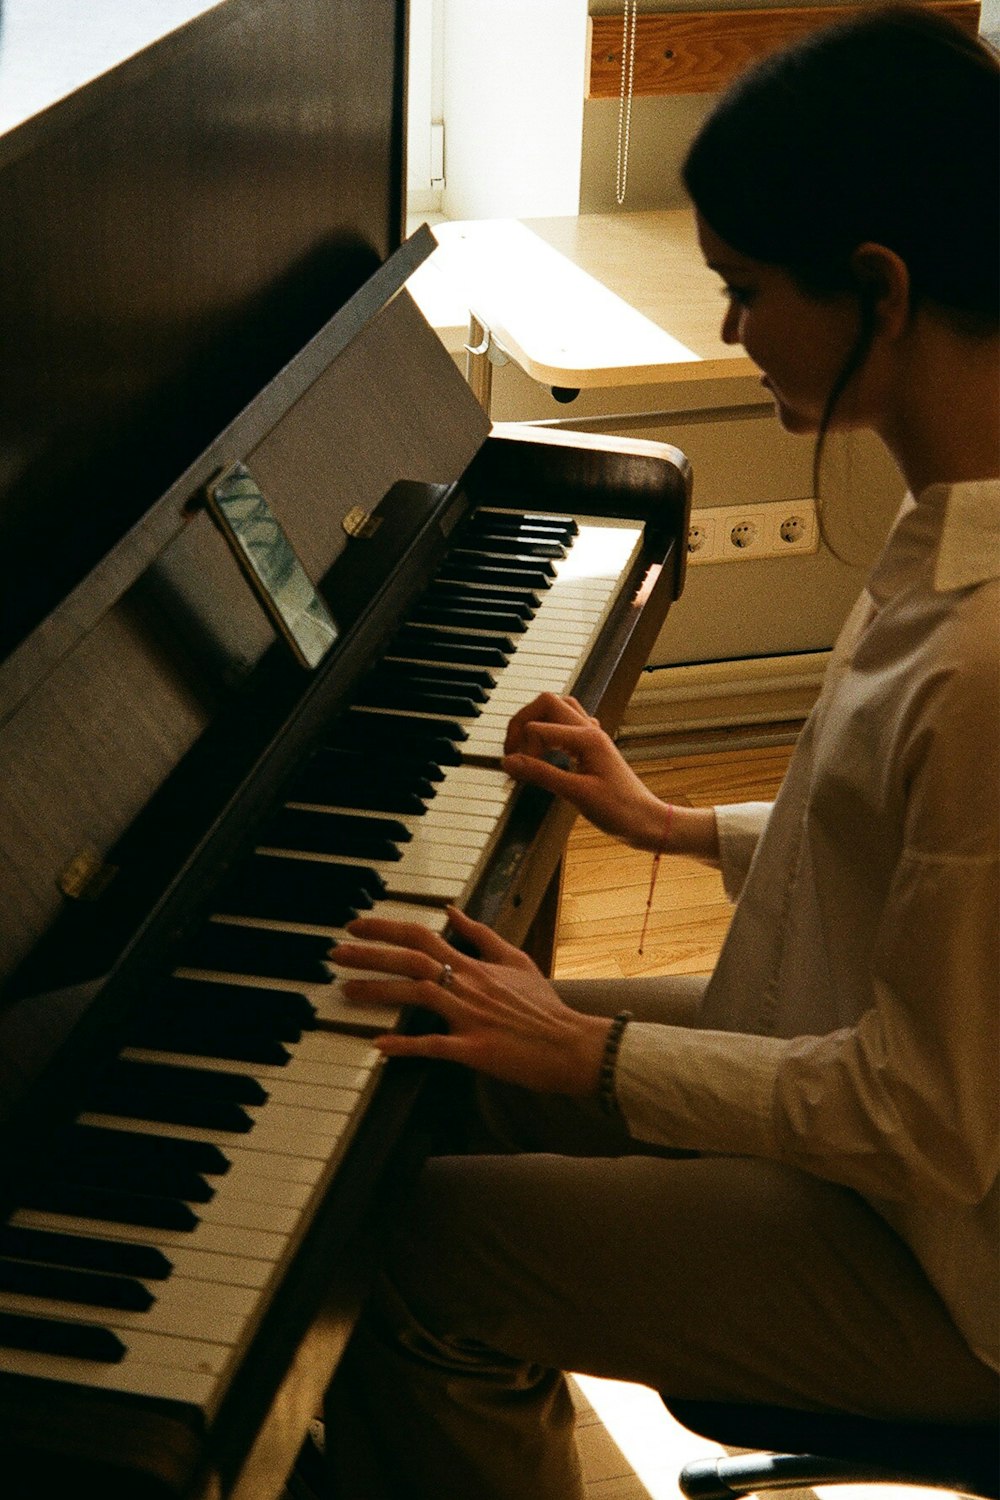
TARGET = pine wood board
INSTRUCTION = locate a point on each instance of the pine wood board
(606, 884)
(699, 52)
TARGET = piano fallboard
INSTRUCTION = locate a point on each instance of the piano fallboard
(252, 787)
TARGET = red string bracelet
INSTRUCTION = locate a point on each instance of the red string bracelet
(655, 871)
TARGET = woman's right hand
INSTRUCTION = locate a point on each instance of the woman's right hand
(598, 781)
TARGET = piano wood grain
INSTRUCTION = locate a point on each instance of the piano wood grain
(165, 738)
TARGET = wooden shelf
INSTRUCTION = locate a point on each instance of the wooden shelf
(700, 52)
(595, 300)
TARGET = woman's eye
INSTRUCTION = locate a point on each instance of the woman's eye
(740, 296)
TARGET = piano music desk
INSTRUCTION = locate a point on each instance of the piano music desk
(582, 303)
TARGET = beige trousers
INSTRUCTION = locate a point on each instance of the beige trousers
(571, 1247)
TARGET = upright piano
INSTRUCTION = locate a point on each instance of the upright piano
(198, 791)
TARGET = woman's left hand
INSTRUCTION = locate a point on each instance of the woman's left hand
(504, 1018)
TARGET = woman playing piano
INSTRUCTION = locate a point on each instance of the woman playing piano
(779, 1185)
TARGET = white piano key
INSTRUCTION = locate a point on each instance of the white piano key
(544, 662)
(487, 741)
(430, 838)
(465, 818)
(375, 1019)
(245, 1213)
(230, 1270)
(484, 781)
(469, 808)
(146, 1370)
(436, 822)
(432, 879)
(394, 911)
(316, 1137)
(183, 1309)
(332, 1010)
(214, 1238)
(320, 1073)
(337, 1010)
(572, 603)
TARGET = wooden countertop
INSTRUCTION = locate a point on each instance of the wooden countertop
(579, 302)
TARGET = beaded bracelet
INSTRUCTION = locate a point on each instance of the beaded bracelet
(656, 870)
(606, 1077)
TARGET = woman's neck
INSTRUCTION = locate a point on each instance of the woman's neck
(944, 424)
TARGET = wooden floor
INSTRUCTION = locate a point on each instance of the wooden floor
(605, 884)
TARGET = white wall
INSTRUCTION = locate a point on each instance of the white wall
(514, 76)
(49, 48)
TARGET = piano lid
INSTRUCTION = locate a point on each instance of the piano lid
(176, 227)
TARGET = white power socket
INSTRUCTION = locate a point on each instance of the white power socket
(773, 528)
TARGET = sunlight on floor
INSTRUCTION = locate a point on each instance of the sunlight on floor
(657, 1447)
(654, 1444)
(882, 1492)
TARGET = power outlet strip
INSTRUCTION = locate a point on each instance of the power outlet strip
(773, 528)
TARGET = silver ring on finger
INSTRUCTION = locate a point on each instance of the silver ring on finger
(446, 976)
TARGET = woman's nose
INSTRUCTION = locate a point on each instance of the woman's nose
(730, 331)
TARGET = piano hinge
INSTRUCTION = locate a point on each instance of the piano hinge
(86, 877)
(360, 522)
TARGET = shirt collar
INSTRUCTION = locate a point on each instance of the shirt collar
(952, 528)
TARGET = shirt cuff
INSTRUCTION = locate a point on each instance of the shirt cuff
(699, 1090)
(740, 826)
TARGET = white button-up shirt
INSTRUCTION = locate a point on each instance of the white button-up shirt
(851, 1025)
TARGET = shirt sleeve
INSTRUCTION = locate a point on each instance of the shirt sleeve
(901, 1106)
(740, 827)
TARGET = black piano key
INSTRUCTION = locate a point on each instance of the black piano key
(482, 557)
(510, 521)
(520, 545)
(143, 1210)
(49, 1336)
(452, 594)
(171, 1079)
(28, 1279)
(382, 786)
(443, 588)
(465, 679)
(459, 617)
(284, 1013)
(464, 566)
(429, 645)
(117, 1257)
(416, 697)
(127, 1148)
(420, 681)
(474, 533)
(259, 950)
(134, 1103)
(511, 527)
(162, 1177)
(300, 890)
(434, 739)
(207, 1039)
(175, 1095)
(336, 833)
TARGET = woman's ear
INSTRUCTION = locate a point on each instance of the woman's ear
(883, 280)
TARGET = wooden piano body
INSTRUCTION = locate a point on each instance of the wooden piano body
(151, 724)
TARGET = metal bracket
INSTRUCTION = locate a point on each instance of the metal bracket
(482, 352)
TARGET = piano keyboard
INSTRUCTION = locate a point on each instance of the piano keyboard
(257, 1187)
(145, 1258)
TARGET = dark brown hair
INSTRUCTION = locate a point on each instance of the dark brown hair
(884, 128)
